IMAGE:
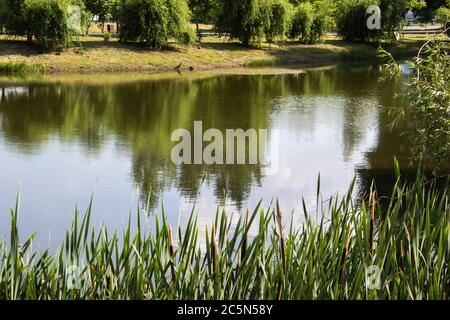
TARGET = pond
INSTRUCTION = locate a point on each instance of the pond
(63, 141)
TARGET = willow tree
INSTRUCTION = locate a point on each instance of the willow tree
(154, 22)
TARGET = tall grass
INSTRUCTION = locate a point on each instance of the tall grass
(407, 237)
(265, 62)
(21, 68)
(359, 53)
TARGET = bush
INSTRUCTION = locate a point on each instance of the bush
(280, 12)
(154, 22)
(443, 14)
(47, 23)
(179, 16)
(351, 20)
(311, 22)
(44, 21)
(203, 11)
(144, 21)
(245, 20)
(106, 36)
(322, 22)
(302, 22)
(427, 98)
(319, 29)
(252, 21)
(12, 17)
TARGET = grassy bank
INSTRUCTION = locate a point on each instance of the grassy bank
(262, 256)
(92, 54)
(21, 68)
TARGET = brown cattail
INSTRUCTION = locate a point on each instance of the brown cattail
(245, 239)
(372, 222)
(344, 256)
(171, 252)
(238, 264)
(282, 249)
(214, 253)
(402, 264)
(280, 226)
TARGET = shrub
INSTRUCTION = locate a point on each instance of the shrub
(179, 16)
(106, 36)
(323, 21)
(144, 21)
(203, 11)
(302, 22)
(319, 28)
(427, 102)
(47, 23)
(351, 20)
(311, 22)
(245, 20)
(279, 19)
(154, 22)
(44, 21)
(3, 16)
(443, 14)
(12, 17)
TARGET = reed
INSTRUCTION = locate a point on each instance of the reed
(21, 68)
(256, 257)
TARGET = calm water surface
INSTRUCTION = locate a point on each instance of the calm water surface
(62, 142)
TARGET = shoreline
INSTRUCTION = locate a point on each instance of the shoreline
(92, 55)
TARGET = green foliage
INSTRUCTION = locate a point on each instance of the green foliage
(280, 12)
(443, 14)
(44, 21)
(154, 22)
(252, 21)
(302, 22)
(428, 96)
(429, 10)
(351, 20)
(359, 52)
(21, 68)
(106, 36)
(101, 8)
(203, 11)
(392, 14)
(179, 16)
(427, 102)
(264, 253)
(47, 23)
(12, 17)
(244, 20)
(323, 21)
(311, 22)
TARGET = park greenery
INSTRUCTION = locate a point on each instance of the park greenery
(263, 253)
(154, 23)
(260, 255)
(427, 98)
